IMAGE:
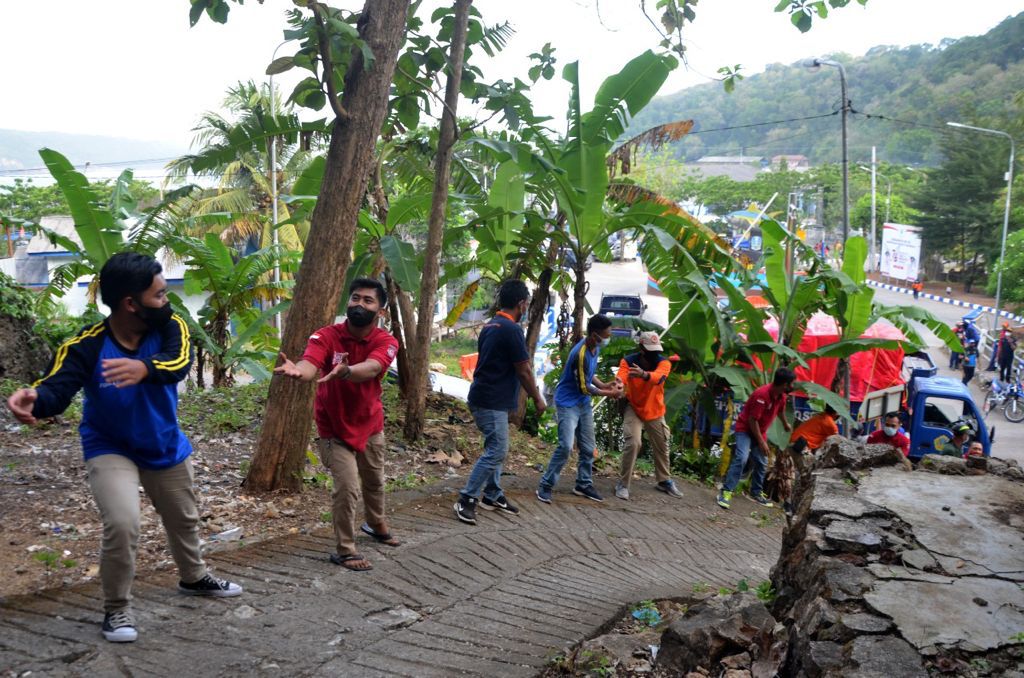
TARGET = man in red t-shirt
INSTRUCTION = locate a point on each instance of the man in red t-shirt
(353, 356)
(756, 417)
(890, 434)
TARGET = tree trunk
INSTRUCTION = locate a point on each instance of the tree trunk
(281, 450)
(398, 331)
(419, 351)
(579, 294)
(538, 305)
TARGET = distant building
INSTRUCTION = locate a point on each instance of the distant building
(795, 163)
(34, 265)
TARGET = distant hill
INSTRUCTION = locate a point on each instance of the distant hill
(922, 86)
(19, 149)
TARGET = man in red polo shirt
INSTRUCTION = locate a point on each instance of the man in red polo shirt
(756, 417)
(353, 356)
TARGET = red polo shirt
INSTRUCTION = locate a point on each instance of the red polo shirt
(762, 407)
(347, 411)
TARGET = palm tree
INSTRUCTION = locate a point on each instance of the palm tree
(235, 149)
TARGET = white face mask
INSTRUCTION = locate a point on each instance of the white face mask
(606, 341)
(890, 430)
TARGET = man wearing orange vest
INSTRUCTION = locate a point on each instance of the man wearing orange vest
(644, 374)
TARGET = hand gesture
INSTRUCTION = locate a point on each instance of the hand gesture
(287, 367)
(21, 402)
(636, 371)
(540, 406)
(122, 372)
(341, 370)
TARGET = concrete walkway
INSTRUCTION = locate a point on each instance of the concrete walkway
(496, 599)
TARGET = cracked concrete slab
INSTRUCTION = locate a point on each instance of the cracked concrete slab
(973, 613)
(980, 526)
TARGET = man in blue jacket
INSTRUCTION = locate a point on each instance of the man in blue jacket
(576, 413)
(129, 366)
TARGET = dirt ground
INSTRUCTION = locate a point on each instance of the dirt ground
(50, 528)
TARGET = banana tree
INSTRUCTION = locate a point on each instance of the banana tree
(231, 329)
(103, 229)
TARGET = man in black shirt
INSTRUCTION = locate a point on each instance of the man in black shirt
(502, 365)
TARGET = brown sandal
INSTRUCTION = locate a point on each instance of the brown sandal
(349, 562)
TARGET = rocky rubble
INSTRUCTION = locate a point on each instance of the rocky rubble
(883, 572)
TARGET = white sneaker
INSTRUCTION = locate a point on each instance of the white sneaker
(119, 627)
(622, 492)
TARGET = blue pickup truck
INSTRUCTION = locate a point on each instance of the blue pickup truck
(933, 405)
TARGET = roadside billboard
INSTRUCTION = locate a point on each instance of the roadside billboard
(901, 251)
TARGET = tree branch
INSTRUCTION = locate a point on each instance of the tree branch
(328, 64)
(426, 86)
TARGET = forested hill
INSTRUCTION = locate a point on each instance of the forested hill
(923, 86)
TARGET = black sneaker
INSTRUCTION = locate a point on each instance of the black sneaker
(210, 586)
(501, 503)
(119, 627)
(589, 492)
(465, 510)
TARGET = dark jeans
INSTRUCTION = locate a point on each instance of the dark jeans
(968, 374)
(1005, 371)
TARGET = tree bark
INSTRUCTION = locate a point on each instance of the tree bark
(579, 293)
(419, 351)
(281, 450)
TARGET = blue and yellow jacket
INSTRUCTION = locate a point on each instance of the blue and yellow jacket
(139, 422)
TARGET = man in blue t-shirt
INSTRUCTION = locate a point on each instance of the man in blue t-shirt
(503, 363)
(575, 412)
(129, 366)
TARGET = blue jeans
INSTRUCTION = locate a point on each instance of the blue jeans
(486, 473)
(575, 424)
(740, 454)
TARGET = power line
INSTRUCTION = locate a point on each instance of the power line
(762, 124)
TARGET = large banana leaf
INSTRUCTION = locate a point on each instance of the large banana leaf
(819, 392)
(101, 236)
(847, 347)
(624, 94)
(401, 258)
(857, 307)
(775, 270)
(900, 316)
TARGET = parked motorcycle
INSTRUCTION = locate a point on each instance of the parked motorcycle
(1007, 395)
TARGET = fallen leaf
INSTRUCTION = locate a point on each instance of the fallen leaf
(438, 458)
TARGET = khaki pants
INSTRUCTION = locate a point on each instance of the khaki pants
(115, 481)
(657, 434)
(353, 471)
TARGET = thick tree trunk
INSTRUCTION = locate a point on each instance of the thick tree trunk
(284, 437)
(538, 305)
(419, 351)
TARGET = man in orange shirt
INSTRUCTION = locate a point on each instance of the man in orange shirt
(644, 374)
(808, 436)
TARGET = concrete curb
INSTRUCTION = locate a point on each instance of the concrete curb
(947, 300)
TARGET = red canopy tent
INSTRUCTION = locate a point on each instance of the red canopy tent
(821, 331)
(878, 368)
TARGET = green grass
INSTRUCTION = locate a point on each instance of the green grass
(407, 482)
(449, 350)
(223, 410)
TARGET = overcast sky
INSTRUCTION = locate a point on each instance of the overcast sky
(134, 68)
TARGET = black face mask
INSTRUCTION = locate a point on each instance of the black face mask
(651, 357)
(155, 317)
(359, 316)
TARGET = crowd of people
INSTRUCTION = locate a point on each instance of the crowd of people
(129, 366)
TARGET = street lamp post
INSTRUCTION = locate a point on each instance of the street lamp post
(815, 64)
(1006, 214)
